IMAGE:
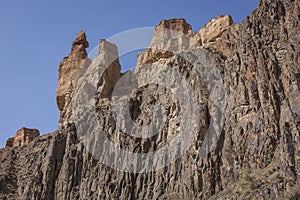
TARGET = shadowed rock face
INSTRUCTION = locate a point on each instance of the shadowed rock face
(113, 71)
(257, 155)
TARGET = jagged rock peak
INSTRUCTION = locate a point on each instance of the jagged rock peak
(81, 39)
(175, 24)
(113, 71)
(67, 73)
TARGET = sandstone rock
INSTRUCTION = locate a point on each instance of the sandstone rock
(256, 156)
(214, 28)
(10, 142)
(113, 69)
(169, 36)
(81, 40)
(179, 25)
(152, 56)
(67, 74)
(23, 137)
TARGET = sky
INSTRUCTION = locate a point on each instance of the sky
(36, 35)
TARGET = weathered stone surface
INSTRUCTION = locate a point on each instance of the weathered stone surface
(23, 137)
(256, 157)
(179, 25)
(109, 53)
(169, 36)
(67, 74)
(262, 121)
(30, 172)
(214, 28)
(9, 142)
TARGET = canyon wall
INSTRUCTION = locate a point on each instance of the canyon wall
(255, 156)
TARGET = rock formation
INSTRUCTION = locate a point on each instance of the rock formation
(67, 74)
(179, 25)
(169, 36)
(213, 30)
(23, 137)
(257, 154)
(109, 54)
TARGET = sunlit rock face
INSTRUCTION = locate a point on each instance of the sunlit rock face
(67, 74)
(23, 137)
(256, 156)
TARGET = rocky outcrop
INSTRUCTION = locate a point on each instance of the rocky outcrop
(213, 30)
(169, 36)
(30, 172)
(9, 142)
(67, 74)
(23, 137)
(109, 53)
(179, 25)
(256, 155)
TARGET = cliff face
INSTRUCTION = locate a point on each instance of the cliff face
(256, 154)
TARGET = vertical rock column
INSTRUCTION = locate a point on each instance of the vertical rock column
(67, 75)
(110, 57)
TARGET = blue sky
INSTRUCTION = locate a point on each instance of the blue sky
(36, 35)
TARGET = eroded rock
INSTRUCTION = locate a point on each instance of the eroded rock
(256, 156)
(169, 36)
(214, 28)
(67, 75)
(23, 137)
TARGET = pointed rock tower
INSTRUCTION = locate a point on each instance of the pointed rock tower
(67, 73)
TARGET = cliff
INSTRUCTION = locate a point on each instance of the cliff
(239, 127)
